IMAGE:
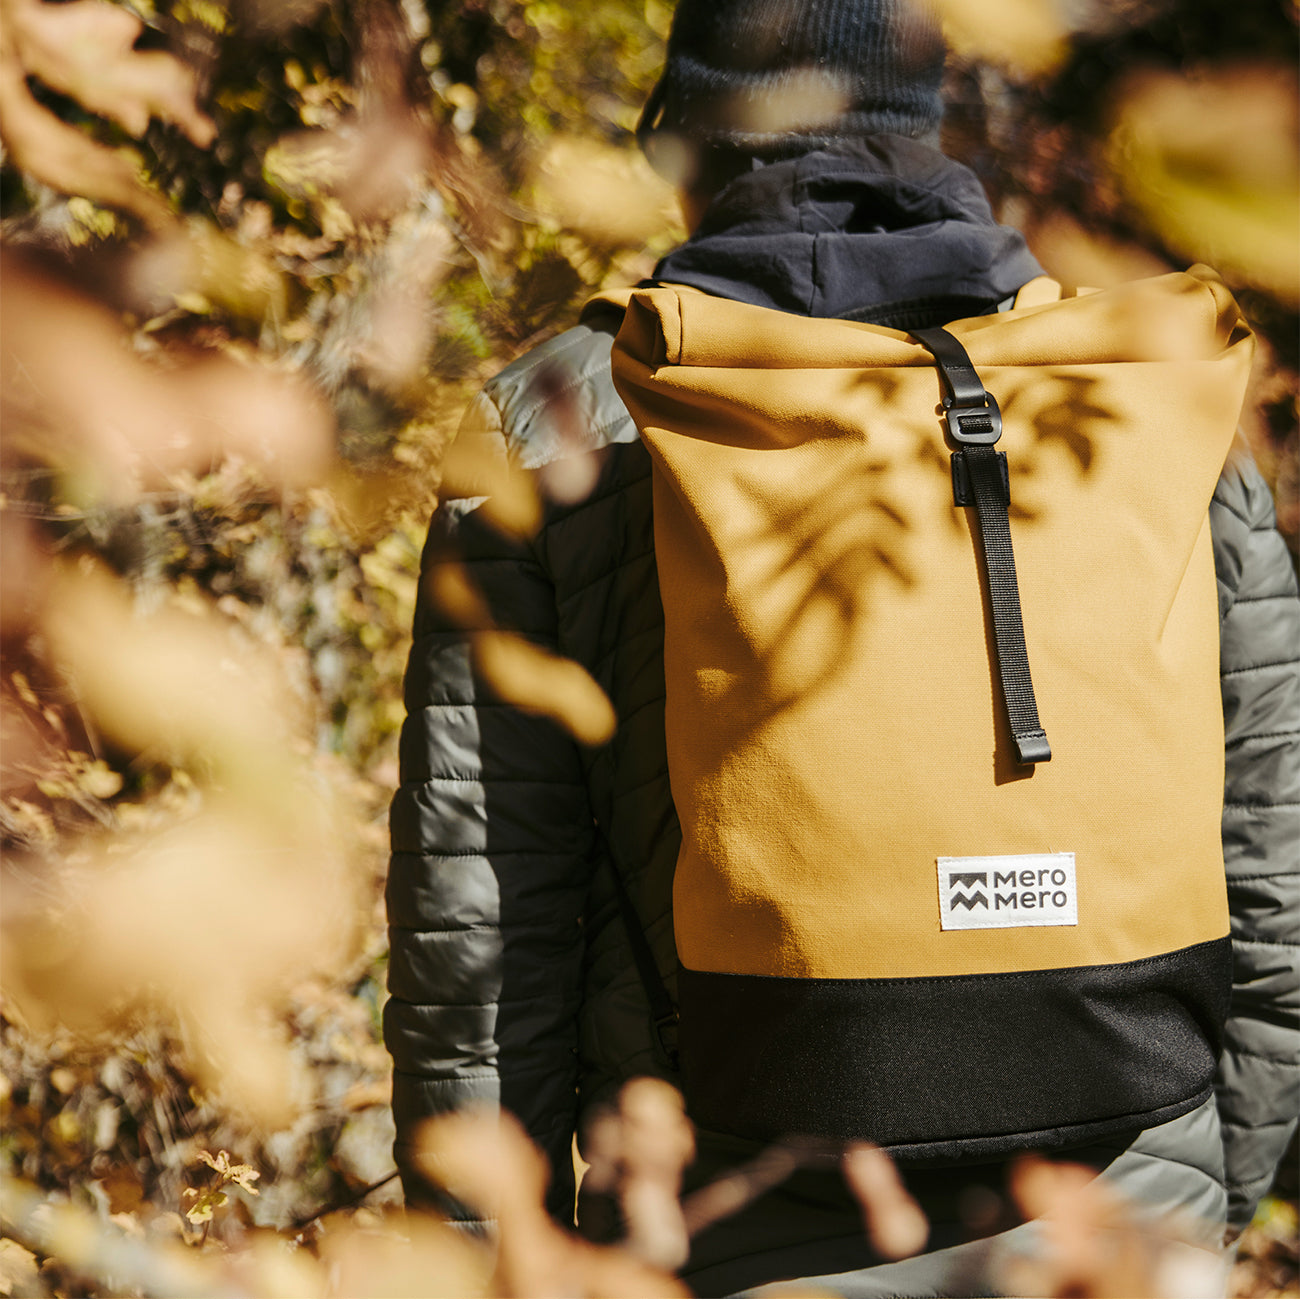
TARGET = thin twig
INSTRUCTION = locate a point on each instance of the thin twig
(299, 1224)
(743, 1185)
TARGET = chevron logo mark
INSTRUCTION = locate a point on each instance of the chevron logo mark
(968, 878)
(968, 901)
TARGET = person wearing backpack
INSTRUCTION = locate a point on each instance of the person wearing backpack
(534, 963)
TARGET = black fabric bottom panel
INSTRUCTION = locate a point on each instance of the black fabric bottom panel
(955, 1067)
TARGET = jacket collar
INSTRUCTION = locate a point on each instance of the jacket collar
(883, 229)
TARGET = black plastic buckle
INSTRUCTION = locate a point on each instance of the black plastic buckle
(975, 426)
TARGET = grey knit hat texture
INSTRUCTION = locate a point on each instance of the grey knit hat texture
(774, 77)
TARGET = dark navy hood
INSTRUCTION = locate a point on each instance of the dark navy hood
(884, 229)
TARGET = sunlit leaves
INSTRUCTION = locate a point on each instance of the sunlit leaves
(225, 881)
(894, 1222)
(472, 467)
(608, 196)
(81, 775)
(488, 1163)
(638, 1150)
(203, 1202)
(1027, 37)
(120, 424)
(314, 233)
(1097, 1243)
(551, 66)
(241, 1175)
(1212, 158)
(85, 50)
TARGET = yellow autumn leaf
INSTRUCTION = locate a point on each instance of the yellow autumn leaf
(610, 196)
(206, 1203)
(453, 591)
(474, 467)
(217, 1162)
(244, 1176)
(1212, 158)
(1024, 36)
(539, 682)
(101, 781)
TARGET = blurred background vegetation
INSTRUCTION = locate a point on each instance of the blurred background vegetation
(257, 257)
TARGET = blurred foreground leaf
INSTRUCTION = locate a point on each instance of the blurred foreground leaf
(1023, 36)
(85, 50)
(1212, 158)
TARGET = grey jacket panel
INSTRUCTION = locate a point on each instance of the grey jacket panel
(1177, 1168)
(509, 958)
(1259, 1074)
(492, 843)
(503, 825)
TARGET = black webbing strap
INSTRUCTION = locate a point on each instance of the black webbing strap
(662, 1011)
(979, 477)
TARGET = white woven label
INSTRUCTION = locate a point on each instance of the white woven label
(1004, 892)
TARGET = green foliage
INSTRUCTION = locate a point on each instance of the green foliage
(540, 68)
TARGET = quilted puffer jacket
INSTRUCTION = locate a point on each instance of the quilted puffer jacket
(511, 976)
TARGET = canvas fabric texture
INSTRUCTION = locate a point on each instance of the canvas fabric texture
(825, 629)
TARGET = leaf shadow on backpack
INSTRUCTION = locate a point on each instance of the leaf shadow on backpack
(840, 548)
(850, 536)
(1066, 414)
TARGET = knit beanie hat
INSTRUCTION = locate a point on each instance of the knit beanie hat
(772, 78)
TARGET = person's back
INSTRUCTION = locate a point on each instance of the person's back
(513, 976)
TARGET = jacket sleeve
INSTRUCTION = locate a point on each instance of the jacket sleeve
(1259, 1072)
(491, 850)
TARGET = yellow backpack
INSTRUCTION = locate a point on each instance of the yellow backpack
(896, 918)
